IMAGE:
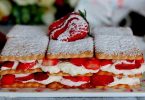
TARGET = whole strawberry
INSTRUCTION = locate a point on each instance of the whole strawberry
(71, 27)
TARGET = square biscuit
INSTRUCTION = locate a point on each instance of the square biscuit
(19, 31)
(82, 48)
(117, 47)
(24, 49)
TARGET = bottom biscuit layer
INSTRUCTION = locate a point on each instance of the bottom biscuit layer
(57, 86)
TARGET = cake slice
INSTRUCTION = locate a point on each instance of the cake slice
(23, 55)
(122, 51)
(27, 31)
(82, 48)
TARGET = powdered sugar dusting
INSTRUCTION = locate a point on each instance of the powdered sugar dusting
(75, 47)
(27, 31)
(25, 46)
(116, 45)
(115, 31)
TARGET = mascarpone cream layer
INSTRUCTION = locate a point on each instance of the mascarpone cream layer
(59, 79)
(125, 80)
(69, 68)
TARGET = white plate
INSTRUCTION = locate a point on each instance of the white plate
(70, 93)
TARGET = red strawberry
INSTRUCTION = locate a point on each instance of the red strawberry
(8, 79)
(25, 66)
(127, 66)
(130, 61)
(139, 61)
(25, 78)
(8, 64)
(78, 61)
(57, 23)
(74, 24)
(93, 64)
(101, 80)
(50, 62)
(105, 62)
(40, 76)
(78, 78)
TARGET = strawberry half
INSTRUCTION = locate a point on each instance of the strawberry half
(78, 78)
(50, 62)
(8, 64)
(93, 64)
(25, 78)
(101, 80)
(8, 79)
(74, 24)
(78, 61)
(105, 62)
(40, 76)
(25, 66)
(127, 66)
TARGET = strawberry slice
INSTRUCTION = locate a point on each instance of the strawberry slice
(139, 61)
(50, 62)
(8, 79)
(78, 78)
(8, 64)
(25, 78)
(105, 62)
(40, 76)
(25, 66)
(93, 64)
(101, 80)
(78, 61)
(127, 66)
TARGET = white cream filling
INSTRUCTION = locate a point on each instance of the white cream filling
(126, 80)
(112, 69)
(71, 83)
(59, 79)
(69, 68)
(49, 80)
(21, 75)
(27, 61)
(50, 69)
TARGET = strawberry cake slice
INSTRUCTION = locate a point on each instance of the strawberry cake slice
(23, 55)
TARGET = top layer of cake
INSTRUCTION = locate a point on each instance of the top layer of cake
(116, 47)
(76, 49)
(24, 48)
(27, 31)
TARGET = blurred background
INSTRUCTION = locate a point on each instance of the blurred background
(99, 12)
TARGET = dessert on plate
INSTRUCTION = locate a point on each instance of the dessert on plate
(70, 56)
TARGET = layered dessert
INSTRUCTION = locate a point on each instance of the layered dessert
(71, 57)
